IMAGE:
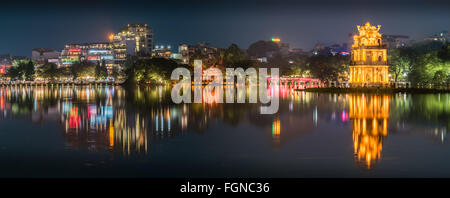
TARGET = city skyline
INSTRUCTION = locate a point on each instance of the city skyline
(218, 97)
(301, 24)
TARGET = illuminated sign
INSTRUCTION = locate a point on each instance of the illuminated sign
(74, 50)
(98, 51)
(70, 59)
(276, 39)
(92, 58)
(108, 57)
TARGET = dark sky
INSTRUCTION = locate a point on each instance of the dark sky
(51, 24)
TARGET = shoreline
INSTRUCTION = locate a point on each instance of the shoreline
(57, 83)
(375, 90)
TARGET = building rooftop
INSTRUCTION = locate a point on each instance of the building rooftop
(41, 50)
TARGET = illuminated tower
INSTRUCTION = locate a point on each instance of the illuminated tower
(368, 66)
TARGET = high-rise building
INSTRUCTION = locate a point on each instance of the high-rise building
(368, 66)
(138, 39)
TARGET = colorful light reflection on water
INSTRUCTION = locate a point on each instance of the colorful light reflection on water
(312, 135)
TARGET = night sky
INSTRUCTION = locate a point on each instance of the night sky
(51, 24)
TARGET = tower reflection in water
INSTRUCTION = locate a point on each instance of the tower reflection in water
(369, 114)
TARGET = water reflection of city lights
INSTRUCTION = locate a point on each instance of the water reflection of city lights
(276, 130)
(344, 116)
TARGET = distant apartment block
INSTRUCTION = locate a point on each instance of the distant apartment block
(42, 55)
(138, 39)
(203, 49)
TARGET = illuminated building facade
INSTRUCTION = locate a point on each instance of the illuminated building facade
(203, 49)
(72, 53)
(369, 114)
(162, 51)
(184, 52)
(93, 52)
(5, 62)
(368, 66)
(138, 39)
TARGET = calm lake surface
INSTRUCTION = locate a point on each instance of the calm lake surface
(107, 131)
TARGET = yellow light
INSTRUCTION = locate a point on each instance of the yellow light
(111, 135)
(276, 39)
(111, 37)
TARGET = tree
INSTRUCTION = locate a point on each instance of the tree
(399, 63)
(278, 61)
(13, 73)
(21, 70)
(29, 71)
(420, 62)
(439, 79)
(82, 69)
(116, 73)
(328, 68)
(444, 52)
(49, 71)
(233, 55)
(298, 65)
(101, 72)
(262, 48)
(153, 71)
(425, 68)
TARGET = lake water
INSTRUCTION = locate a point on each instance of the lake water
(98, 131)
